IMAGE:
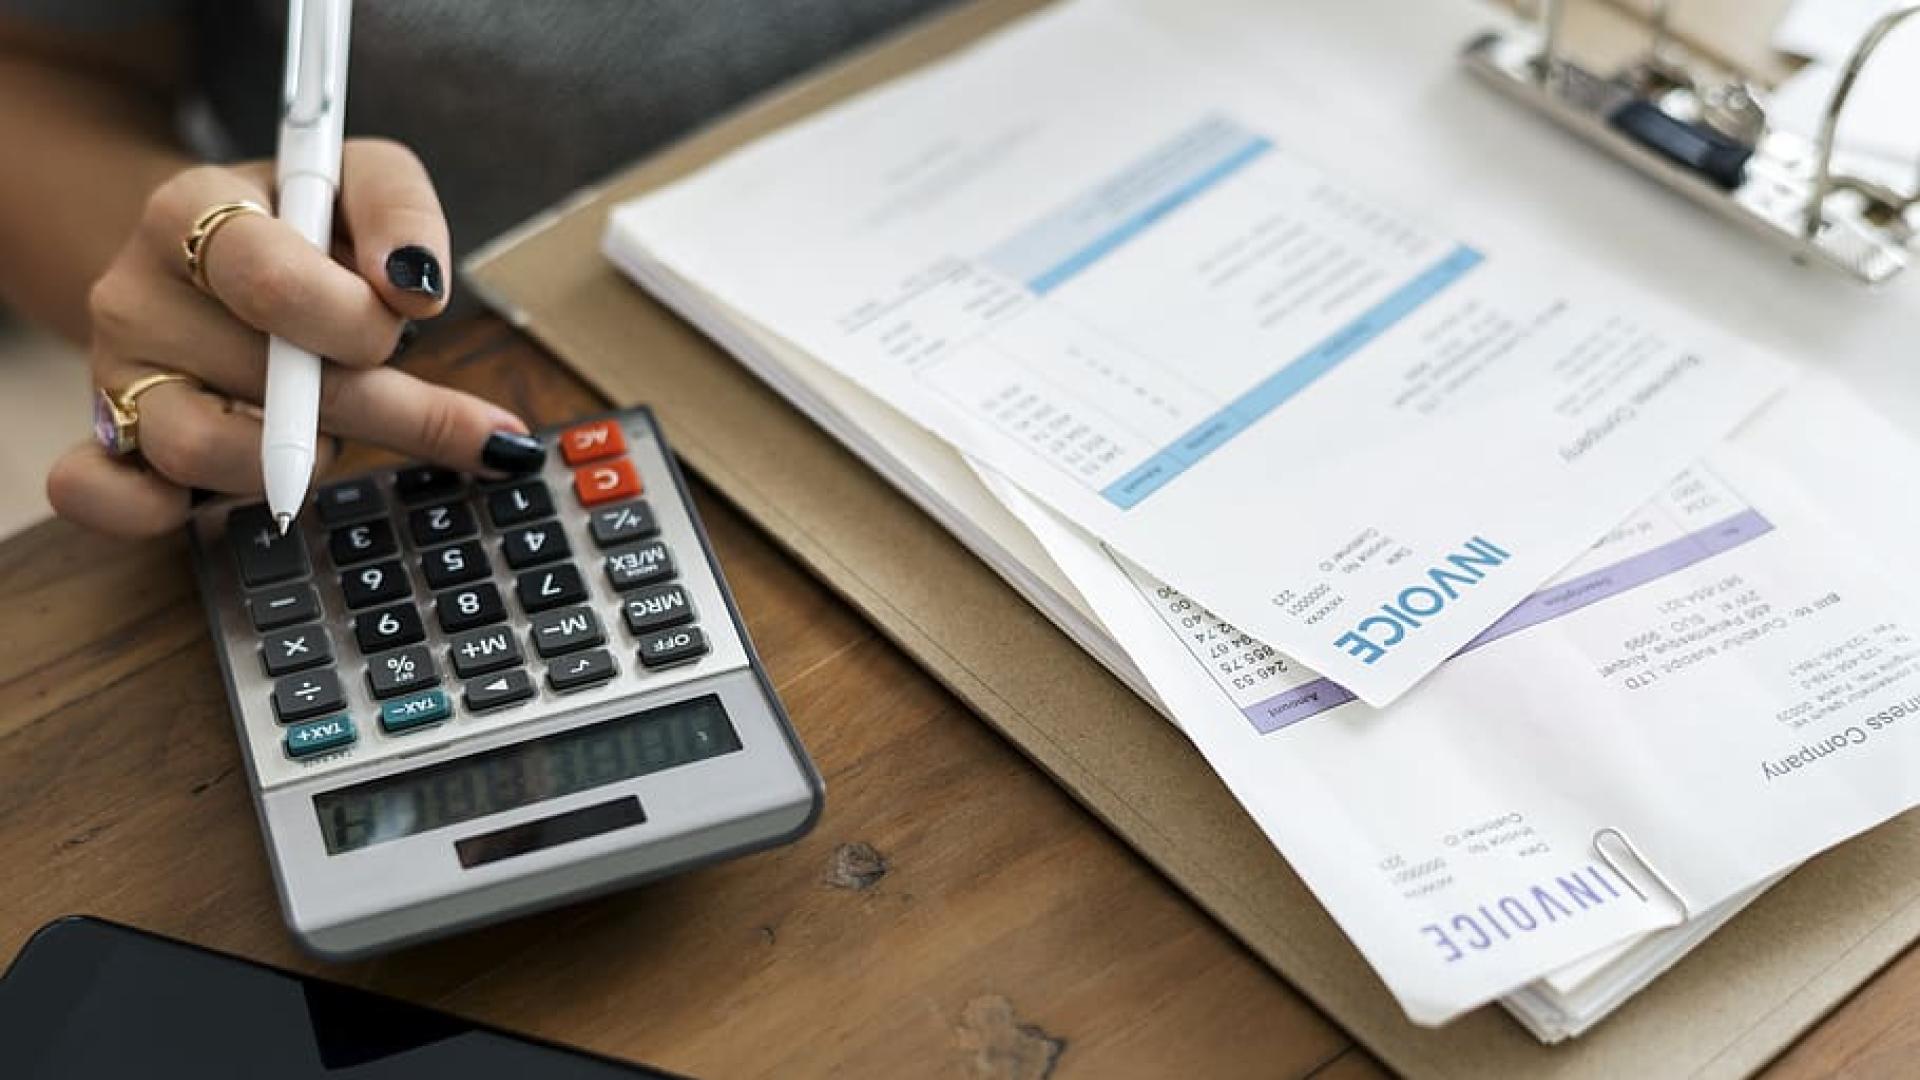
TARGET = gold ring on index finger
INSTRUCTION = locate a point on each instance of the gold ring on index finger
(205, 227)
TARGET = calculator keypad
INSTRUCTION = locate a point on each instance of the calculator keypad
(498, 691)
(549, 587)
(455, 564)
(466, 601)
(388, 628)
(352, 544)
(263, 554)
(440, 524)
(302, 697)
(581, 670)
(641, 564)
(535, 544)
(285, 651)
(401, 671)
(520, 503)
(284, 605)
(466, 608)
(378, 583)
(606, 482)
(559, 632)
(619, 524)
(349, 501)
(482, 651)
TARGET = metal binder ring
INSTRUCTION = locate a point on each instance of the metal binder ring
(1830, 122)
(1652, 871)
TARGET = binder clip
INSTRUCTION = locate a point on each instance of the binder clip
(1703, 132)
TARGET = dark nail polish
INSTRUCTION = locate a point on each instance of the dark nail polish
(408, 331)
(512, 453)
(415, 269)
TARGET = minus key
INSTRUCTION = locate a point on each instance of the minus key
(274, 608)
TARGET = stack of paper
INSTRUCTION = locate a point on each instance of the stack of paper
(1514, 601)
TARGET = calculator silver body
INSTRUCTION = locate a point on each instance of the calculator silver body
(415, 887)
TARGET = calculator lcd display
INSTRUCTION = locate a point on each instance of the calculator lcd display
(523, 774)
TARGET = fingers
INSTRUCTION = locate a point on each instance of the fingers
(165, 322)
(199, 440)
(399, 233)
(267, 274)
(421, 420)
(174, 328)
(111, 495)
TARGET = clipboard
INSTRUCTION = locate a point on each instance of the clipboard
(1725, 1010)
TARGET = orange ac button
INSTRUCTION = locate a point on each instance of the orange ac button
(591, 442)
(612, 480)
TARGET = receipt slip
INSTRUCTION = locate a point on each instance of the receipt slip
(1727, 684)
(1360, 435)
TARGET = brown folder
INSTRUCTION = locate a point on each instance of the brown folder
(1729, 1007)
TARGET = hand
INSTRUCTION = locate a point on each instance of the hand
(351, 307)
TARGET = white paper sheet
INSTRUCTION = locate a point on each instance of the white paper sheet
(1730, 679)
(1827, 30)
(1075, 255)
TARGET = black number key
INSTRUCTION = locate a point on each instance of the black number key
(670, 647)
(432, 525)
(387, 628)
(274, 608)
(498, 690)
(641, 564)
(464, 609)
(521, 502)
(483, 651)
(455, 564)
(402, 670)
(264, 555)
(351, 501)
(379, 583)
(302, 697)
(581, 669)
(296, 650)
(425, 483)
(351, 544)
(550, 587)
(535, 544)
(619, 524)
(564, 631)
(658, 608)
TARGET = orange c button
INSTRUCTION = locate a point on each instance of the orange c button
(598, 484)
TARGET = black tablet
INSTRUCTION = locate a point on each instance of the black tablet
(91, 999)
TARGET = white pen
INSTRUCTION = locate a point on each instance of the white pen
(313, 110)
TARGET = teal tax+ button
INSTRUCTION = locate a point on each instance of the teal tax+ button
(319, 736)
(407, 713)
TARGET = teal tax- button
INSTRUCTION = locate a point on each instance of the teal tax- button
(407, 713)
(319, 736)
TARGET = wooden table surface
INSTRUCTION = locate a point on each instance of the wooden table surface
(954, 913)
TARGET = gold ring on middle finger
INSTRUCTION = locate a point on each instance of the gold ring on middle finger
(205, 227)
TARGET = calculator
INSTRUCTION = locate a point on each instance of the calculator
(462, 700)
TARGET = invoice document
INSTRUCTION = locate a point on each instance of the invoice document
(1725, 685)
(1358, 432)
